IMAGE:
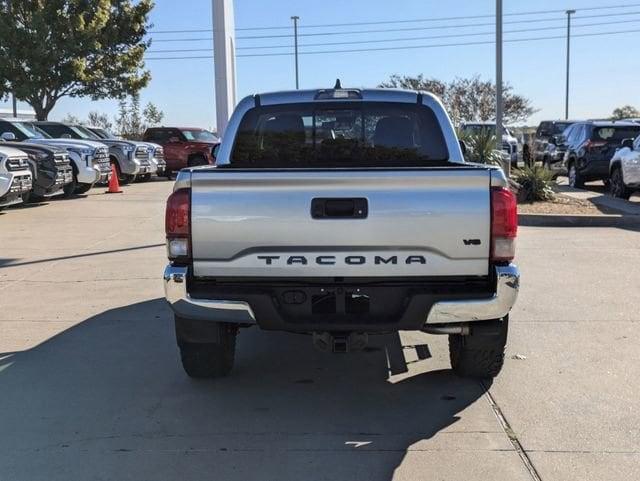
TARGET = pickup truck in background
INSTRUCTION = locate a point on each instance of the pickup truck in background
(131, 159)
(50, 169)
(342, 214)
(183, 147)
(15, 176)
(89, 159)
(156, 152)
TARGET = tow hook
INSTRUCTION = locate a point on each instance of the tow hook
(340, 343)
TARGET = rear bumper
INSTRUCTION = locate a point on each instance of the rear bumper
(241, 306)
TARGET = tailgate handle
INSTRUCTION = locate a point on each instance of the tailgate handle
(339, 208)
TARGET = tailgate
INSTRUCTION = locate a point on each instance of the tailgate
(417, 223)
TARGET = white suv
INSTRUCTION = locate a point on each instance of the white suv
(624, 169)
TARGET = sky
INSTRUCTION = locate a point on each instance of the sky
(605, 70)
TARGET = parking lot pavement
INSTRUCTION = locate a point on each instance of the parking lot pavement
(92, 388)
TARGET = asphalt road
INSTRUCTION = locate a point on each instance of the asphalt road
(91, 387)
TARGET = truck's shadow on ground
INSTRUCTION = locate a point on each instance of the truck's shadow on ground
(107, 399)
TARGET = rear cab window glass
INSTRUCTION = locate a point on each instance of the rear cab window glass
(339, 134)
(615, 134)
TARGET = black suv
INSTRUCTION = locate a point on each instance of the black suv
(590, 146)
(543, 150)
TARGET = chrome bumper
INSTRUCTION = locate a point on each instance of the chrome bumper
(175, 289)
(494, 307)
(447, 312)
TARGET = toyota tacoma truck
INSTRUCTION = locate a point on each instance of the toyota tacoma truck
(15, 176)
(341, 214)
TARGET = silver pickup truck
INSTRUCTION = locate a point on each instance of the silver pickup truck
(341, 213)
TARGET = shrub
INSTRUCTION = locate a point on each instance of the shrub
(535, 184)
(481, 147)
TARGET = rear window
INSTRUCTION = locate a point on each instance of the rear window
(615, 134)
(339, 134)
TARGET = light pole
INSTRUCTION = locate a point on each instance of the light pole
(499, 106)
(295, 19)
(566, 98)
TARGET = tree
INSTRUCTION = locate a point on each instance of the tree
(71, 119)
(96, 119)
(468, 98)
(55, 48)
(130, 123)
(625, 112)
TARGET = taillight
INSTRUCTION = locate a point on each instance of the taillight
(178, 225)
(504, 224)
(593, 144)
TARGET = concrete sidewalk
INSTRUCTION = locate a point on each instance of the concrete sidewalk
(601, 200)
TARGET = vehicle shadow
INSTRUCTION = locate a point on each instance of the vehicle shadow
(107, 399)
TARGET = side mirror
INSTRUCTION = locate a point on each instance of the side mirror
(8, 136)
(625, 143)
(553, 140)
(174, 140)
(463, 147)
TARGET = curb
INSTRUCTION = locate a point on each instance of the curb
(578, 220)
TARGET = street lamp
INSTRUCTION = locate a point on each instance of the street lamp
(499, 106)
(295, 19)
(566, 104)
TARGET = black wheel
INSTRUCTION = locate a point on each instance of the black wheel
(123, 179)
(144, 178)
(83, 188)
(31, 198)
(575, 179)
(210, 359)
(197, 160)
(481, 354)
(616, 185)
(70, 188)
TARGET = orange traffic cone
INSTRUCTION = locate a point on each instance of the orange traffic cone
(114, 185)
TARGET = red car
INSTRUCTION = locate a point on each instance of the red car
(184, 147)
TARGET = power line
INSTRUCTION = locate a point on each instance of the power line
(390, 22)
(406, 29)
(411, 47)
(432, 37)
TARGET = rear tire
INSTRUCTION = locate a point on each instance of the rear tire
(208, 360)
(616, 185)
(479, 355)
(575, 179)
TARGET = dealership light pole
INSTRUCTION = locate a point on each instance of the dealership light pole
(566, 98)
(506, 166)
(224, 61)
(295, 19)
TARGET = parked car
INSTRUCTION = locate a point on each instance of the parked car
(590, 147)
(544, 151)
(183, 147)
(50, 169)
(509, 142)
(156, 152)
(89, 159)
(15, 176)
(556, 150)
(624, 169)
(130, 158)
(309, 225)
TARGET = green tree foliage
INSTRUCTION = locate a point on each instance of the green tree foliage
(468, 98)
(131, 122)
(55, 48)
(625, 112)
(96, 119)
